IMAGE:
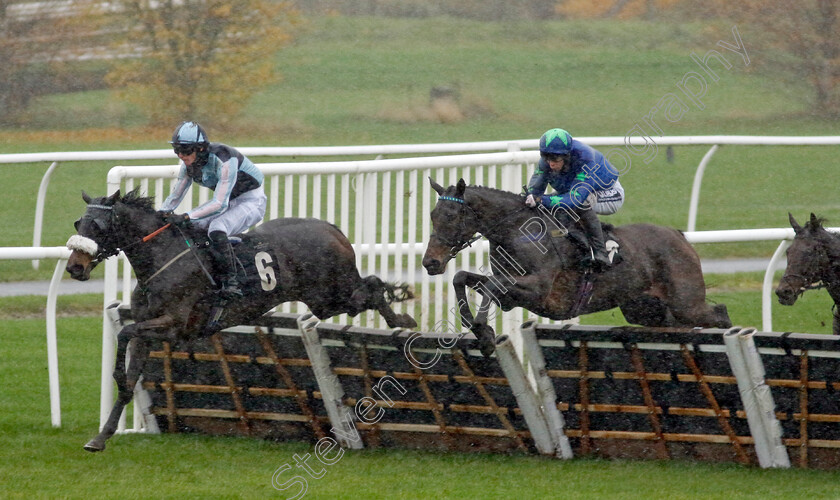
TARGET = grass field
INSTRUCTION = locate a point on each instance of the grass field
(354, 81)
(41, 462)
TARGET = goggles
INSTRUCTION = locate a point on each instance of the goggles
(185, 149)
(552, 157)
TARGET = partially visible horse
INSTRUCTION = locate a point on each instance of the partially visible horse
(656, 282)
(282, 260)
(813, 257)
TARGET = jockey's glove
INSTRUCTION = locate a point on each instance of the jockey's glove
(531, 201)
(177, 219)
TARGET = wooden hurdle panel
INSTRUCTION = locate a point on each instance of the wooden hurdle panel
(412, 390)
(249, 382)
(398, 388)
(803, 373)
(667, 394)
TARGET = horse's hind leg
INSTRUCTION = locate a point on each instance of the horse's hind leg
(646, 310)
(699, 313)
(371, 295)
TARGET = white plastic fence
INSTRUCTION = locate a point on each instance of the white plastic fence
(62, 254)
(637, 145)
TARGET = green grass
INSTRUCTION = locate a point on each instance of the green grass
(360, 81)
(41, 462)
(350, 81)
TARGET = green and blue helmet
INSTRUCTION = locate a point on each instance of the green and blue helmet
(556, 142)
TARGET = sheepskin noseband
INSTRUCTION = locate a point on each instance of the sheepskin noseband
(82, 244)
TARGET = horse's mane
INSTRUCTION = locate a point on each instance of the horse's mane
(493, 191)
(134, 199)
(517, 197)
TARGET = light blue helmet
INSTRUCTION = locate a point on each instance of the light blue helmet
(189, 133)
(556, 142)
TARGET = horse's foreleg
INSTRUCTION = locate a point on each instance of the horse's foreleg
(127, 381)
(125, 341)
(460, 282)
(477, 323)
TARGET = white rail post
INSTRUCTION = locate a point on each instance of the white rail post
(767, 287)
(525, 397)
(52, 346)
(110, 327)
(545, 390)
(39, 210)
(764, 400)
(332, 394)
(695, 188)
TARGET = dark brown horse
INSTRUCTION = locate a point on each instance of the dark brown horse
(282, 260)
(813, 257)
(536, 264)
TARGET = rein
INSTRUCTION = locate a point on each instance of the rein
(104, 254)
(457, 247)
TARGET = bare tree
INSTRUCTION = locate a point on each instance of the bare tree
(798, 41)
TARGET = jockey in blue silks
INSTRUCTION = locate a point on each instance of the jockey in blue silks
(238, 200)
(585, 184)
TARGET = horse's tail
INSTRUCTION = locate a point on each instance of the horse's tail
(397, 292)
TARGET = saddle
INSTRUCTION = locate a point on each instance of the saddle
(577, 236)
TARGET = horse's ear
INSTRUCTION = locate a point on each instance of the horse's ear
(85, 197)
(814, 221)
(437, 187)
(114, 197)
(460, 188)
(795, 225)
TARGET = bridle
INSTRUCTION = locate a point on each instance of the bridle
(812, 285)
(454, 248)
(106, 227)
(809, 284)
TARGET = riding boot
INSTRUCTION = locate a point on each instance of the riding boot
(592, 226)
(224, 262)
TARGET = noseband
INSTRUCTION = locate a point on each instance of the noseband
(87, 245)
(90, 247)
(809, 284)
(454, 248)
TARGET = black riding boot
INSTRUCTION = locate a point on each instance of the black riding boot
(592, 226)
(225, 263)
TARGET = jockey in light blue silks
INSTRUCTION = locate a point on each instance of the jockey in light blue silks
(585, 184)
(238, 200)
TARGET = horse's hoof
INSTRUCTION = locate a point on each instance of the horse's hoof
(93, 446)
(487, 350)
(486, 340)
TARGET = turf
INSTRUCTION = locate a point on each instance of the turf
(41, 462)
(367, 81)
(354, 81)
